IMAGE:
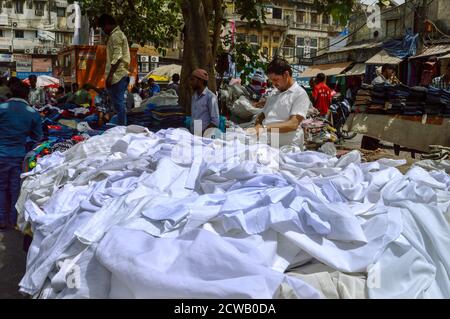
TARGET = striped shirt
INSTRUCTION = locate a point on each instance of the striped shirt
(441, 83)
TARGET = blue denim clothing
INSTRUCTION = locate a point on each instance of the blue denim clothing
(18, 120)
(10, 170)
(117, 95)
(154, 89)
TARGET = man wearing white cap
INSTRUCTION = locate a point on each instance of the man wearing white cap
(204, 106)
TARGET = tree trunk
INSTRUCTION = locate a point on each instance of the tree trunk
(200, 49)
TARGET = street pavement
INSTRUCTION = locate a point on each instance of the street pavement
(12, 264)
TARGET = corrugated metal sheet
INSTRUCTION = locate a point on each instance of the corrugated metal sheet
(357, 47)
(358, 69)
(383, 57)
(327, 69)
(437, 49)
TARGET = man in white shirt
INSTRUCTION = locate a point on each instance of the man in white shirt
(285, 110)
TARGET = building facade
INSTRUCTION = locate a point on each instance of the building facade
(293, 29)
(31, 35)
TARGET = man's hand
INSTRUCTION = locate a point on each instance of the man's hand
(258, 130)
(260, 104)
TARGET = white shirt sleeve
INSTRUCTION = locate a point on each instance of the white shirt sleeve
(300, 105)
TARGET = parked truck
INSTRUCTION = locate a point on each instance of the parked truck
(83, 64)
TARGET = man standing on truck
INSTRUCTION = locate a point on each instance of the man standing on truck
(117, 63)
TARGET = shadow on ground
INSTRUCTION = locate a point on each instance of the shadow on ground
(12, 264)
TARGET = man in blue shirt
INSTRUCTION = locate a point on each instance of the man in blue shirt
(153, 87)
(204, 106)
(18, 120)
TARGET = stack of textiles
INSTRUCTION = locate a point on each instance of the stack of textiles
(396, 97)
(415, 103)
(157, 118)
(362, 99)
(446, 97)
(378, 100)
(167, 116)
(57, 130)
(436, 101)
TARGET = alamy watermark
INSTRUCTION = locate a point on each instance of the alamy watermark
(221, 147)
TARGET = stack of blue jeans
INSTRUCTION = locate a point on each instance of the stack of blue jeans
(415, 103)
(436, 101)
(397, 96)
(446, 97)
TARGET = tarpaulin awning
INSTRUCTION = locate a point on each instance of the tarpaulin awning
(383, 57)
(437, 49)
(445, 57)
(166, 71)
(357, 69)
(327, 69)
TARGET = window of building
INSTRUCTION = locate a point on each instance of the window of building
(306, 48)
(276, 39)
(290, 41)
(266, 38)
(391, 28)
(59, 38)
(1, 33)
(300, 52)
(277, 13)
(19, 34)
(240, 37)
(30, 5)
(314, 18)
(40, 9)
(325, 19)
(253, 38)
(274, 51)
(61, 12)
(324, 43)
(266, 51)
(300, 16)
(69, 38)
(19, 6)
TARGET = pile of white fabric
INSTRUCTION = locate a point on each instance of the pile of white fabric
(132, 214)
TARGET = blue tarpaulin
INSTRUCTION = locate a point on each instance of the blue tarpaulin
(402, 48)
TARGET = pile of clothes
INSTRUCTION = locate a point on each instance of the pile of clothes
(396, 98)
(134, 214)
(401, 99)
(239, 101)
(415, 102)
(161, 111)
(439, 100)
(363, 99)
(318, 132)
(51, 146)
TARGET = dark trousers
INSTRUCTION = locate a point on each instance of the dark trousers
(117, 95)
(10, 170)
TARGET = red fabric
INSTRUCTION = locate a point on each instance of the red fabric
(322, 98)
